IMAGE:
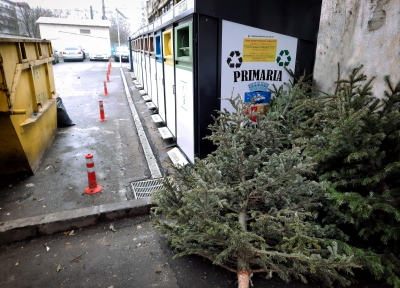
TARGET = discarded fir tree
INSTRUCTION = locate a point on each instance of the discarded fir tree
(248, 206)
(354, 137)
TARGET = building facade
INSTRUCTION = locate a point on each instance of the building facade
(156, 8)
(8, 18)
(64, 32)
(136, 12)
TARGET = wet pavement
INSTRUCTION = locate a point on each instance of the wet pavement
(59, 182)
(122, 253)
(127, 254)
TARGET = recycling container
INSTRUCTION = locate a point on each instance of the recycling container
(137, 51)
(135, 63)
(148, 68)
(183, 36)
(169, 79)
(160, 75)
(145, 63)
(136, 58)
(140, 60)
(153, 71)
(28, 111)
(213, 50)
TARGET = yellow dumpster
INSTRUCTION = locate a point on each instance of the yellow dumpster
(28, 111)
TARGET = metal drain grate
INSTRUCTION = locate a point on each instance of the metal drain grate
(146, 188)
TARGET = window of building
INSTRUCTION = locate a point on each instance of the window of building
(84, 31)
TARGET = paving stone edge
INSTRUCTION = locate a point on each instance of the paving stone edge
(26, 228)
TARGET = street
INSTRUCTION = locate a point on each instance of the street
(129, 254)
(126, 252)
(59, 183)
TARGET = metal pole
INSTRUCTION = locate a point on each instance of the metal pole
(130, 53)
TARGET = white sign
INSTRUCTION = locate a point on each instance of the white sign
(183, 94)
(183, 6)
(252, 60)
(167, 16)
(185, 112)
(157, 23)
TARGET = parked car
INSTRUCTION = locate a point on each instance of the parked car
(99, 54)
(56, 57)
(121, 52)
(73, 53)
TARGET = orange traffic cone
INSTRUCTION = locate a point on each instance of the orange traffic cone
(105, 88)
(102, 118)
(93, 187)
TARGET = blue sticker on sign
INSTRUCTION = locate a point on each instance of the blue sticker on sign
(260, 97)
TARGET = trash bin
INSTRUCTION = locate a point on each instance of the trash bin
(141, 62)
(28, 110)
(184, 88)
(146, 59)
(160, 76)
(153, 72)
(169, 79)
(135, 58)
(215, 49)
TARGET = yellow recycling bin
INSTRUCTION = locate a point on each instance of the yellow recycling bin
(28, 110)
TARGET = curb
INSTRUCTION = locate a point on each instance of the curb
(26, 228)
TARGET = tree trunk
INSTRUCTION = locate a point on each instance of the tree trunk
(243, 220)
(243, 279)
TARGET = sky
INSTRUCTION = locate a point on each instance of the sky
(68, 4)
(82, 4)
(122, 5)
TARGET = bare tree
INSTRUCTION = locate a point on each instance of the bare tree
(60, 13)
(124, 29)
(27, 18)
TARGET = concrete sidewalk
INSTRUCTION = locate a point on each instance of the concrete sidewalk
(55, 192)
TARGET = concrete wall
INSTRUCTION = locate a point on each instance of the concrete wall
(62, 36)
(354, 32)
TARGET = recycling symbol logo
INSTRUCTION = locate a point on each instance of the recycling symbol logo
(234, 60)
(281, 58)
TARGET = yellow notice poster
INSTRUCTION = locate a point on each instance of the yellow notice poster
(259, 49)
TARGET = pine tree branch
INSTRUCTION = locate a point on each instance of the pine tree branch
(219, 264)
(303, 258)
(231, 209)
(262, 271)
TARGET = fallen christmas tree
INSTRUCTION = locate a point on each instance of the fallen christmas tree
(249, 207)
(354, 137)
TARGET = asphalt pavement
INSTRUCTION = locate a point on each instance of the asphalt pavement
(59, 182)
(103, 240)
(122, 253)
